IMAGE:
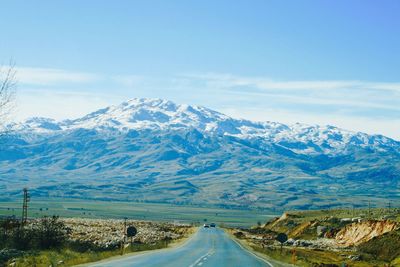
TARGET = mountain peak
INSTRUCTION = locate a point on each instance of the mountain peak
(159, 114)
(140, 113)
(148, 102)
(129, 150)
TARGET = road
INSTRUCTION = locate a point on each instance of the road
(209, 247)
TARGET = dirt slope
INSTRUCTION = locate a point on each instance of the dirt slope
(360, 232)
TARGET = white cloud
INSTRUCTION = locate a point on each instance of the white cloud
(372, 107)
(128, 80)
(45, 76)
(61, 105)
(328, 100)
(229, 80)
(372, 98)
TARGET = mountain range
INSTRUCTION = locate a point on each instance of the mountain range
(157, 151)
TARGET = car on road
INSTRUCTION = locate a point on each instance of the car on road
(206, 226)
(212, 224)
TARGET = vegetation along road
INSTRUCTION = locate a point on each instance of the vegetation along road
(208, 247)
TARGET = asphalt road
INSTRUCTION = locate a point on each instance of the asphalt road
(209, 247)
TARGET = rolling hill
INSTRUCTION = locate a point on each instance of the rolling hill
(158, 151)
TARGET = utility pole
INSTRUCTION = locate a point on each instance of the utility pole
(124, 238)
(25, 207)
(389, 207)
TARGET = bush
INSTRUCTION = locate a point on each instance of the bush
(50, 233)
(46, 233)
(22, 239)
(239, 234)
(7, 254)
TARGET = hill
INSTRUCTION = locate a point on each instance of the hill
(359, 238)
(158, 151)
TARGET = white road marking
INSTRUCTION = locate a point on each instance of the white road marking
(255, 255)
(204, 257)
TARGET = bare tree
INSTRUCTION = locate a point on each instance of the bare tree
(7, 93)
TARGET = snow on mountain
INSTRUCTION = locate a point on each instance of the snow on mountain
(157, 114)
(156, 150)
(151, 114)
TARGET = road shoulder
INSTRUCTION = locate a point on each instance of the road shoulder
(173, 245)
(247, 247)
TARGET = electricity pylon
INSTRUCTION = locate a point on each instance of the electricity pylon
(25, 206)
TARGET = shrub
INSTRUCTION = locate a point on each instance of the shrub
(50, 232)
(46, 233)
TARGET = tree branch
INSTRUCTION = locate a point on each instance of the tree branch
(8, 86)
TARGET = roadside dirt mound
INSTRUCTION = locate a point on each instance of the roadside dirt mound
(360, 232)
(277, 221)
(302, 228)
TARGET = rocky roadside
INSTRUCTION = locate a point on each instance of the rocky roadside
(327, 240)
(91, 240)
(108, 233)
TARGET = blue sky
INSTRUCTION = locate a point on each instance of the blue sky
(317, 62)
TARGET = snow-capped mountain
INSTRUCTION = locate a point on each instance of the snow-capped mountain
(157, 114)
(156, 150)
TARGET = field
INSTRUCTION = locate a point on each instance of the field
(135, 210)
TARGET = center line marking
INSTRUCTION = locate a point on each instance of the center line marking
(204, 257)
